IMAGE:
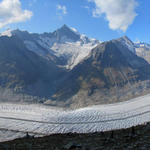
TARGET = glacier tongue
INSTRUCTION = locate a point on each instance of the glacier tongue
(74, 51)
(42, 120)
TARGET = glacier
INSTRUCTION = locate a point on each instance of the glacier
(39, 120)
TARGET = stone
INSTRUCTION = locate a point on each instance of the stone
(72, 145)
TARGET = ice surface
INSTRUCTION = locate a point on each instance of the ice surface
(42, 120)
(75, 51)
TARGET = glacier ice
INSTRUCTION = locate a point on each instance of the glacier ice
(44, 120)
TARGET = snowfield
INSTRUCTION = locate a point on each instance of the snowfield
(17, 119)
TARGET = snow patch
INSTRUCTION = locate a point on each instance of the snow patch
(75, 51)
(8, 33)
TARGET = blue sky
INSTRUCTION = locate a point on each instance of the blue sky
(95, 18)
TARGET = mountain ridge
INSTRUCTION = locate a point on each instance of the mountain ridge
(58, 44)
(70, 69)
(110, 65)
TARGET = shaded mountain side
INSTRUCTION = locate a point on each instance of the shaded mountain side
(24, 71)
(109, 66)
(33, 43)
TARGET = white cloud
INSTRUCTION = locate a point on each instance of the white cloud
(63, 9)
(11, 12)
(119, 13)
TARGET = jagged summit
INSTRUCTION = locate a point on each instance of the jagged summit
(16, 32)
(125, 37)
(66, 33)
(65, 45)
(65, 27)
(127, 42)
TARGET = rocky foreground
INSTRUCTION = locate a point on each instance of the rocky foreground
(137, 138)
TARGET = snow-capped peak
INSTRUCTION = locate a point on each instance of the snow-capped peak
(141, 44)
(8, 33)
(68, 29)
(65, 43)
(128, 43)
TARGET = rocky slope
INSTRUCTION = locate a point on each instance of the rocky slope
(110, 73)
(31, 64)
(23, 71)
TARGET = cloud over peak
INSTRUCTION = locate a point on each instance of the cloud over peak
(119, 13)
(11, 12)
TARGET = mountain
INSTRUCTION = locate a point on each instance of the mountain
(65, 45)
(65, 34)
(66, 68)
(143, 50)
(127, 43)
(111, 72)
(24, 72)
(72, 49)
(31, 65)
